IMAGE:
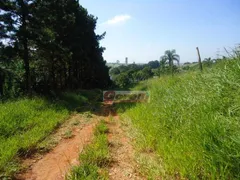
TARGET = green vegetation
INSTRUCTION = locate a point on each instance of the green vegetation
(26, 122)
(94, 158)
(101, 129)
(49, 46)
(192, 123)
(126, 75)
(169, 57)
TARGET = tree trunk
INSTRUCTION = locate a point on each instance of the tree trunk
(1, 84)
(70, 72)
(53, 83)
(199, 60)
(24, 14)
(27, 67)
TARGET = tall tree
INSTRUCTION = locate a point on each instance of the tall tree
(57, 43)
(14, 21)
(171, 56)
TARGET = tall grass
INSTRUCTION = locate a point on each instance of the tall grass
(192, 122)
(25, 122)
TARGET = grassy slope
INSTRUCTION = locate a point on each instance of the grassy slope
(192, 122)
(25, 122)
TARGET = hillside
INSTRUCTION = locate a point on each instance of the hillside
(191, 124)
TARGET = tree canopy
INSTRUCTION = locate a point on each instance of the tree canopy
(50, 46)
(170, 56)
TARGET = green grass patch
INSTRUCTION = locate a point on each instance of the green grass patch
(192, 122)
(95, 157)
(26, 122)
(83, 172)
(101, 128)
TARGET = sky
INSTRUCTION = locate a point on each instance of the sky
(143, 29)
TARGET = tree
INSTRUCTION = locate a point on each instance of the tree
(208, 62)
(57, 43)
(144, 74)
(114, 71)
(154, 64)
(147, 73)
(123, 68)
(66, 39)
(122, 80)
(14, 27)
(171, 56)
(162, 64)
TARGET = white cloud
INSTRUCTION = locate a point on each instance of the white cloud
(118, 19)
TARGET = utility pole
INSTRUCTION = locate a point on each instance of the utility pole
(199, 60)
(218, 53)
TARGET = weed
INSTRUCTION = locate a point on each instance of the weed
(101, 128)
(68, 134)
(83, 172)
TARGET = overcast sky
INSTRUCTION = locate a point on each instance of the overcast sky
(143, 29)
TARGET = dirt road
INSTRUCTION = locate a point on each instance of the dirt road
(55, 164)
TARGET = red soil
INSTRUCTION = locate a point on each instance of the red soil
(55, 164)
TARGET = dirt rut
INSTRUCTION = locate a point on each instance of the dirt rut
(123, 166)
(55, 164)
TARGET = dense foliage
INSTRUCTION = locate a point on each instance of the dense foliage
(123, 75)
(49, 46)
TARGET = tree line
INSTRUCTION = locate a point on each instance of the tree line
(168, 64)
(123, 76)
(49, 46)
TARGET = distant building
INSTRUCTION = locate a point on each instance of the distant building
(126, 61)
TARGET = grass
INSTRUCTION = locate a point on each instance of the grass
(192, 123)
(101, 129)
(95, 157)
(68, 134)
(26, 122)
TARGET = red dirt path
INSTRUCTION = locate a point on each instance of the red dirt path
(55, 164)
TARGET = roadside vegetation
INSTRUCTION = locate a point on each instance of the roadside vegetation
(191, 125)
(26, 122)
(94, 159)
